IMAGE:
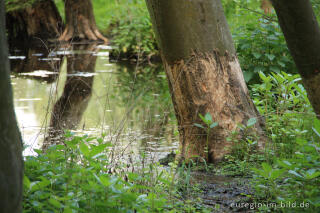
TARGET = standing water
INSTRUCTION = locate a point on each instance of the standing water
(78, 89)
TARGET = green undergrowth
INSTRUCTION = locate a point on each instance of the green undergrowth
(291, 170)
(286, 174)
(82, 176)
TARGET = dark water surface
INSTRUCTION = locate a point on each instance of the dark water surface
(77, 88)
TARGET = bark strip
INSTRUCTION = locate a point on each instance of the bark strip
(210, 83)
(203, 73)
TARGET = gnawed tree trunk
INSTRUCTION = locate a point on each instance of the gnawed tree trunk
(11, 163)
(266, 6)
(68, 110)
(80, 22)
(302, 33)
(39, 20)
(203, 72)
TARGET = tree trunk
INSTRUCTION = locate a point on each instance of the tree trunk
(302, 33)
(68, 110)
(80, 22)
(266, 6)
(203, 72)
(41, 20)
(11, 163)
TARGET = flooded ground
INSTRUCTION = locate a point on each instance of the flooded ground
(77, 88)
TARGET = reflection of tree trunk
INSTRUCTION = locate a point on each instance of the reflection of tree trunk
(80, 22)
(68, 110)
(203, 72)
(41, 20)
(11, 163)
(37, 59)
(153, 126)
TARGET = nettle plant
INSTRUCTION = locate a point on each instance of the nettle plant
(80, 176)
(283, 102)
(294, 179)
(244, 150)
(133, 34)
(262, 48)
(209, 125)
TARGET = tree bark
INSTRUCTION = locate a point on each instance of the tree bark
(203, 72)
(266, 6)
(41, 20)
(302, 33)
(80, 22)
(11, 163)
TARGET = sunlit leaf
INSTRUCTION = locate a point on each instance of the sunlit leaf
(213, 125)
(84, 149)
(295, 173)
(251, 122)
(55, 203)
(208, 118)
(199, 125)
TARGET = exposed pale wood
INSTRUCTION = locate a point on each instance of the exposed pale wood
(203, 73)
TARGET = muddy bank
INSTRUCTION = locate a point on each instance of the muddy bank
(223, 194)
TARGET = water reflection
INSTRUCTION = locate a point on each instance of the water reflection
(131, 104)
(68, 110)
(35, 62)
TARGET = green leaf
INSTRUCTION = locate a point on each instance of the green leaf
(213, 125)
(270, 56)
(98, 149)
(274, 69)
(105, 181)
(26, 182)
(264, 77)
(266, 167)
(84, 149)
(295, 173)
(248, 75)
(36, 204)
(55, 203)
(39, 185)
(259, 69)
(275, 174)
(208, 118)
(256, 55)
(316, 126)
(199, 125)
(312, 173)
(281, 63)
(285, 164)
(251, 122)
(202, 118)
(67, 210)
